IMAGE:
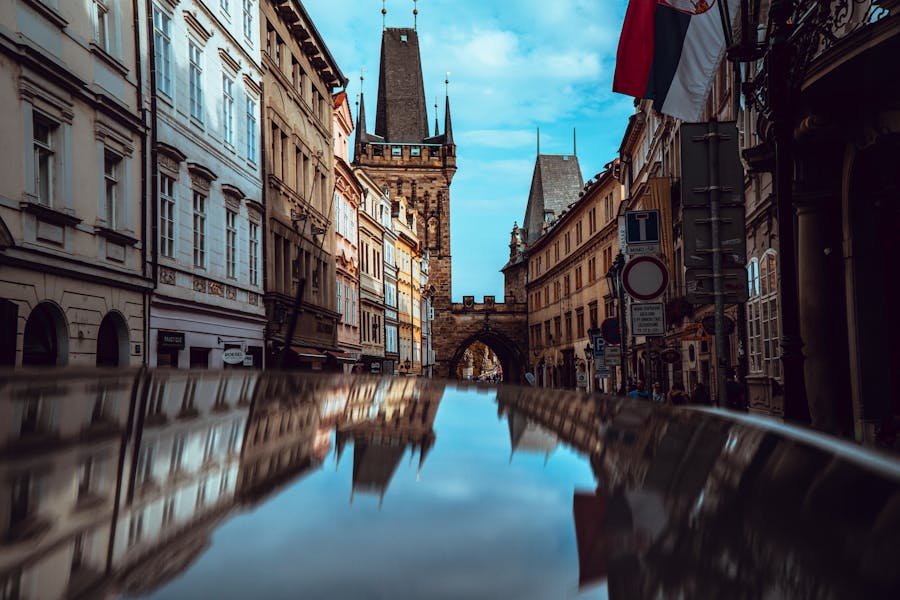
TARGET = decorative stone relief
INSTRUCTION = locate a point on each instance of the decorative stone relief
(216, 289)
(230, 292)
(199, 284)
(253, 299)
(201, 183)
(167, 276)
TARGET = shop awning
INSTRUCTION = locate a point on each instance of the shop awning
(342, 356)
(306, 352)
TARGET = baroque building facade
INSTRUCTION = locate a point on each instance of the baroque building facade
(374, 221)
(204, 84)
(74, 286)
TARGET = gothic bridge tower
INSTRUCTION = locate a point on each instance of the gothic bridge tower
(403, 156)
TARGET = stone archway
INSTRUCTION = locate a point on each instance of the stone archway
(113, 343)
(513, 360)
(46, 338)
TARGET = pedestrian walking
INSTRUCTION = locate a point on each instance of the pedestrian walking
(658, 395)
(677, 395)
(734, 392)
(700, 395)
(639, 391)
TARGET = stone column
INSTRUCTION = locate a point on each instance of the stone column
(821, 292)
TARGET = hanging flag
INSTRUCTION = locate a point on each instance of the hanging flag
(669, 51)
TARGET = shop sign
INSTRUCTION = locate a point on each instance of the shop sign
(234, 356)
(248, 360)
(170, 340)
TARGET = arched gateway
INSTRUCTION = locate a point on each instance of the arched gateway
(404, 157)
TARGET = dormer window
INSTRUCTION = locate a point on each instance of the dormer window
(404, 38)
(415, 151)
(396, 151)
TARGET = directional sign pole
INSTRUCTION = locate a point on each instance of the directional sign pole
(718, 288)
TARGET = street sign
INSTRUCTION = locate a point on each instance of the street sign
(248, 360)
(699, 285)
(645, 278)
(697, 236)
(609, 329)
(612, 354)
(641, 232)
(653, 354)
(602, 371)
(648, 318)
(581, 379)
(598, 345)
(695, 165)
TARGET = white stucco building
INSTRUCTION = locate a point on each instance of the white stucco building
(206, 247)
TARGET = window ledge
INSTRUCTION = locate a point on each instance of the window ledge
(109, 59)
(48, 12)
(114, 236)
(51, 215)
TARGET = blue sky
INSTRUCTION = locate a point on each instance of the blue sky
(515, 65)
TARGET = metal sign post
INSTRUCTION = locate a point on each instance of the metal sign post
(718, 288)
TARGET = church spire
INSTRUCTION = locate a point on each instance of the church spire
(402, 111)
(448, 126)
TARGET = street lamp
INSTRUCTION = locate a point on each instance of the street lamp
(614, 280)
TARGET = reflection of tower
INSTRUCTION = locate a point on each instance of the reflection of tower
(404, 420)
(527, 436)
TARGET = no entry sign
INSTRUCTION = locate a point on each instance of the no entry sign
(645, 278)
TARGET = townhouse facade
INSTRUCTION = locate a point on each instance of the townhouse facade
(374, 214)
(347, 200)
(299, 75)
(74, 282)
(204, 85)
(409, 292)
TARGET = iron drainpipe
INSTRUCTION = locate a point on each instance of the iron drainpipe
(139, 72)
(154, 168)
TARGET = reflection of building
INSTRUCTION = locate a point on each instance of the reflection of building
(526, 436)
(73, 287)
(388, 417)
(59, 468)
(282, 437)
(206, 174)
(299, 75)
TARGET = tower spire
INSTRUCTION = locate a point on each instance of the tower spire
(361, 135)
(415, 15)
(383, 16)
(448, 126)
(436, 132)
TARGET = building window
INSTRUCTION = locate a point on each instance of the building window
(101, 14)
(762, 316)
(578, 280)
(251, 130)
(225, 6)
(230, 243)
(579, 322)
(44, 132)
(162, 43)
(568, 326)
(592, 314)
(111, 168)
(199, 230)
(136, 528)
(396, 151)
(195, 56)
(254, 253)
(340, 307)
(166, 216)
(228, 110)
(168, 515)
(248, 20)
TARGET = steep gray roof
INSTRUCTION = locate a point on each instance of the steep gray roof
(555, 184)
(401, 114)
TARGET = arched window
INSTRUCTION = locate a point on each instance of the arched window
(762, 316)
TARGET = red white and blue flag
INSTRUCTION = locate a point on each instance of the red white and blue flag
(669, 52)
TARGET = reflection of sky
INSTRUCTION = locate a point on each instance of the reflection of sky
(474, 526)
